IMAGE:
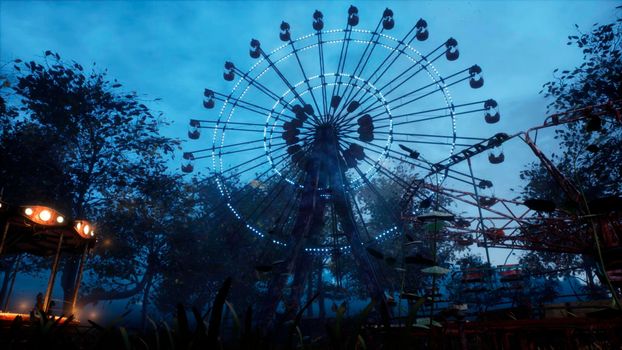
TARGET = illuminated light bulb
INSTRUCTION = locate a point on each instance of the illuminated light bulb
(92, 233)
(28, 211)
(45, 215)
(78, 225)
(60, 219)
(86, 229)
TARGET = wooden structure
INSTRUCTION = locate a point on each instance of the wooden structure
(43, 231)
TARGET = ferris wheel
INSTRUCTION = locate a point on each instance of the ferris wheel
(327, 116)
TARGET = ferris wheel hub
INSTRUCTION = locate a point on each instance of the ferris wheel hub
(326, 133)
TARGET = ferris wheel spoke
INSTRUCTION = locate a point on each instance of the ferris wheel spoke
(259, 86)
(320, 45)
(403, 73)
(253, 160)
(304, 74)
(283, 156)
(454, 177)
(383, 170)
(394, 177)
(347, 100)
(388, 173)
(399, 156)
(404, 79)
(250, 149)
(439, 88)
(438, 136)
(451, 107)
(234, 196)
(421, 142)
(286, 218)
(378, 104)
(268, 92)
(373, 105)
(245, 106)
(225, 128)
(370, 45)
(440, 116)
(305, 150)
(387, 207)
(343, 54)
(346, 134)
(289, 85)
(423, 164)
(249, 106)
(400, 76)
(397, 51)
(466, 177)
(349, 114)
(269, 198)
(217, 123)
(290, 218)
(238, 191)
(360, 215)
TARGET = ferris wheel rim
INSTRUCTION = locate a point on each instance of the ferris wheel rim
(437, 80)
(233, 102)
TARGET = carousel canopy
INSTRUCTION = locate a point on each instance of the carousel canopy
(37, 229)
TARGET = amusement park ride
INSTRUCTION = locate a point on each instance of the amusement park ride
(42, 231)
(325, 116)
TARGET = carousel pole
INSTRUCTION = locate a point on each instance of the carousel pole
(50, 287)
(6, 225)
(13, 276)
(74, 298)
(4, 233)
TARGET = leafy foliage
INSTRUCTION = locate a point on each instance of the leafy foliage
(74, 140)
(596, 81)
(591, 151)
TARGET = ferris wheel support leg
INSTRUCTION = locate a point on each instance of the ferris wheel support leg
(309, 222)
(275, 292)
(364, 265)
(301, 273)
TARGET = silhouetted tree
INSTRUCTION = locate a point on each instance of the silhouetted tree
(590, 156)
(78, 142)
(215, 245)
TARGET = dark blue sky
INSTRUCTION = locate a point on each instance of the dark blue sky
(173, 50)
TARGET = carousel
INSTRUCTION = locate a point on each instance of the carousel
(40, 231)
